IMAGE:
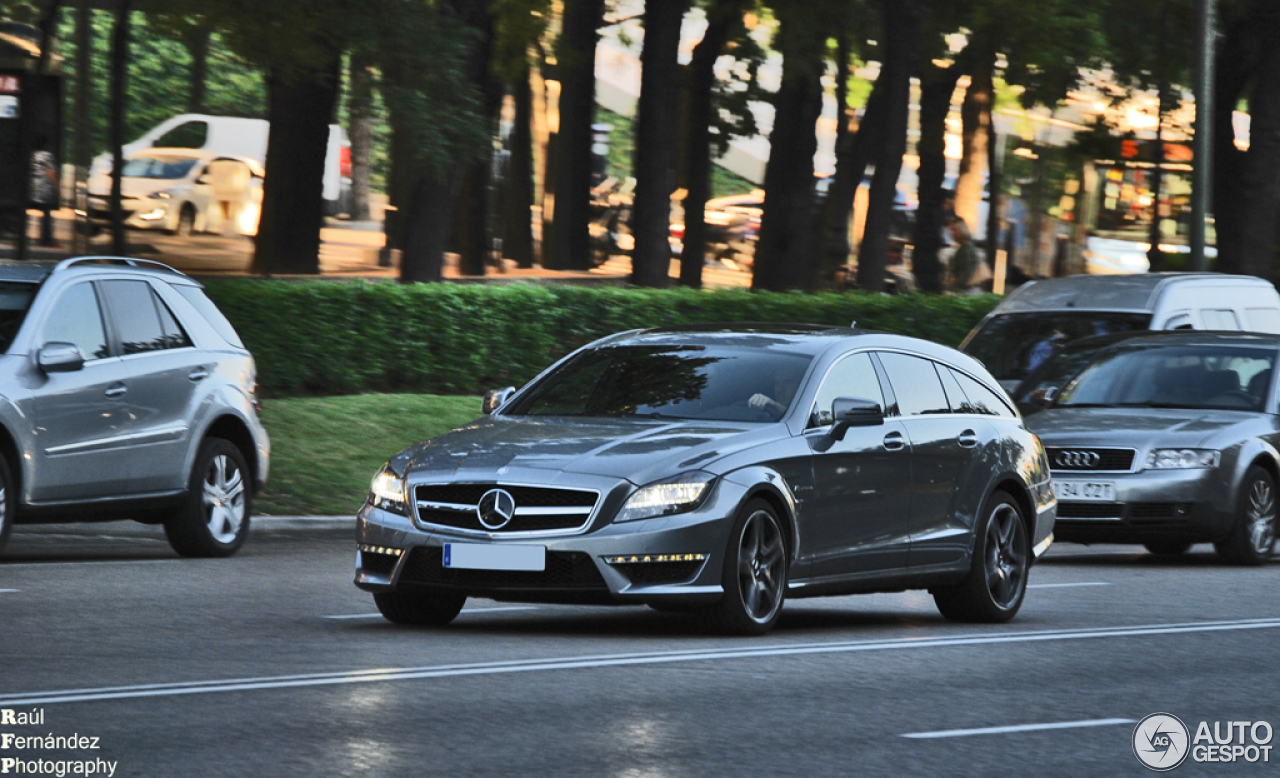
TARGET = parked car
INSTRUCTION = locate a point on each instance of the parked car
(1038, 318)
(1165, 439)
(234, 136)
(183, 192)
(127, 395)
(719, 469)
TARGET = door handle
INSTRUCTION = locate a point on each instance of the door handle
(116, 391)
(968, 439)
(894, 442)
(198, 374)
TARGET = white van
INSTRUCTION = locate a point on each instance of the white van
(1028, 326)
(233, 136)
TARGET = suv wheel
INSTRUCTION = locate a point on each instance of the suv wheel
(8, 502)
(214, 521)
(996, 585)
(1253, 536)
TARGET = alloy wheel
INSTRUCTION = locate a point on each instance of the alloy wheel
(1261, 515)
(224, 498)
(761, 564)
(1006, 557)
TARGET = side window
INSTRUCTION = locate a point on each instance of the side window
(201, 302)
(980, 399)
(1221, 319)
(174, 335)
(916, 383)
(76, 318)
(188, 135)
(1178, 321)
(853, 376)
(955, 396)
(133, 312)
(1263, 320)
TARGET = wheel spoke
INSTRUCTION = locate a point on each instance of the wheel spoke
(235, 486)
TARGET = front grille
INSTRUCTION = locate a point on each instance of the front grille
(658, 573)
(377, 564)
(1090, 510)
(534, 507)
(565, 570)
(1085, 460)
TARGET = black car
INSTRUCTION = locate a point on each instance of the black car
(720, 469)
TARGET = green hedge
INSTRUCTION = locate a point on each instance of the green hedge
(322, 337)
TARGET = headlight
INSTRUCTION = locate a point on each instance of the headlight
(1181, 458)
(663, 498)
(387, 492)
(165, 195)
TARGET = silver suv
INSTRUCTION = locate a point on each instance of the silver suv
(125, 393)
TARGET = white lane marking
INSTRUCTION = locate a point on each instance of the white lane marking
(1017, 728)
(468, 612)
(1065, 585)
(7, 565)
(614, 660)
(8, 591)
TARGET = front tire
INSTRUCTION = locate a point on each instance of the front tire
(418, 609)
(8, 502)
(1253, 536)
(214, 520)
(755, 573)
(996, 585)
(1167, 547)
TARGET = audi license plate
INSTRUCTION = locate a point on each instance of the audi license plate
(476, 556)
(1085, 491)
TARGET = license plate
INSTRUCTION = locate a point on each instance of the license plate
(476, 556)
(1085, 491)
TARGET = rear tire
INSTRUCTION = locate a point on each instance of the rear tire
(1253, 536)
(755, 573)
(996, 585)
(186, 221)
(214, 520)
(8, 502)
(1167, 548)
(418, 609)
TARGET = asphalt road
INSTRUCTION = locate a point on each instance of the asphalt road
(273, 664)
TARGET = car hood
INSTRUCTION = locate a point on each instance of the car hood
(132, 186)
(639, 450)
(1133, 427)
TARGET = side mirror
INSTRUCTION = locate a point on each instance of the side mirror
(494, 398)
(1044, 396)
(849, 412)
(60, 358)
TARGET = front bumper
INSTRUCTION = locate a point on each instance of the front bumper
(1192, 505)
(395, 553)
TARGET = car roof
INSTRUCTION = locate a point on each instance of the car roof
(38, 271)
(1135, 293)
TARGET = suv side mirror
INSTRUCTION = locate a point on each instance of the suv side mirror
(849, 412)
(60, 358)
(494, 398)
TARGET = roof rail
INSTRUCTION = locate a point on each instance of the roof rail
(106, 260)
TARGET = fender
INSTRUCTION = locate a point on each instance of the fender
(757, 479)
(1250, 450)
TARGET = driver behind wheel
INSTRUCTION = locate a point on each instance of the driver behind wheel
(784, 388)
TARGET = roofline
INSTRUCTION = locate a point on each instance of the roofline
(139, 264)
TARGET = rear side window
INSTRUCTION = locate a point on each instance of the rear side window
(188, 135)
(1263, 320)
(1224, 319)
(201, 302)
(133, 312)
(916, 384)
(75, 318)
(174, 335)
(978, 398)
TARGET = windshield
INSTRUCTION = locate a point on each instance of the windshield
(1012, 345)
(1057, 372)
(670, 382)
(15, 298)
(1208, 376)
(158, 167)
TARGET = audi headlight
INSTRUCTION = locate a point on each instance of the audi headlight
(1182, 458)
(388, 492)
(676, 495)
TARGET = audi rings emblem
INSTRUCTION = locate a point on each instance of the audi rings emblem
(496, 508)
(1077, 460)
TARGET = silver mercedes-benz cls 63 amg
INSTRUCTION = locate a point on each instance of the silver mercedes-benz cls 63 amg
(720, 470)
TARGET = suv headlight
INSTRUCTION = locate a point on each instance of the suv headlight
(1182, 458)
(663, 498)
(388, 492)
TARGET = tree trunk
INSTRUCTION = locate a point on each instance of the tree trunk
(976, 115)
(936, 90)
(119, 88)
(902, 28)
(360, 128)
(995, 213)
(517, 232)
(1155, 257)
(471, 232)
(198, 47)
(656, 152)
(786, 226)
(299, 109)
(428, 219)
(1260, 196)
(570, 248)
(1234, 68)
(851, 165)
(700, 81)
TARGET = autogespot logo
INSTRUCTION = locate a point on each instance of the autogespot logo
(1160, 741)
